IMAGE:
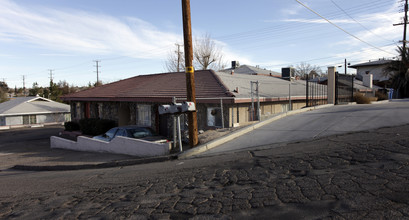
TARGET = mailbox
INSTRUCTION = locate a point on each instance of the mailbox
(164, 109)
(188, 107)
(177, 108)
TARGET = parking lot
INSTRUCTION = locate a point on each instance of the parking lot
(31, 146)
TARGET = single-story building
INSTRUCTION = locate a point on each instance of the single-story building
(250, 70)
(223, 99)
(32, 111)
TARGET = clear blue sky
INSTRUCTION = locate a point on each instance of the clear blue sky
(133, 37)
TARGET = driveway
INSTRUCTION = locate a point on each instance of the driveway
(31, 146)
(321, 122)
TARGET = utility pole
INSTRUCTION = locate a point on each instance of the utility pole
(51, 83)
(97, 66)
(190, 73)
(405, 22)
(24, 85)
(51, 75)
(179, 53)
(345, 66)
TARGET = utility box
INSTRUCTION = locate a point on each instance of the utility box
(288, 73)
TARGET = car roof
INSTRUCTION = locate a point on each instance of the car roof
(132, 126)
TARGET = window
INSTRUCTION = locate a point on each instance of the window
(33, 119)
(144, 115)
(26, 119)
(29, 119)
(214, 117)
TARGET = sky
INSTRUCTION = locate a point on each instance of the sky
(62, 39)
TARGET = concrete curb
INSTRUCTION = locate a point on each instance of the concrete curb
(212, 144)
(94, 166)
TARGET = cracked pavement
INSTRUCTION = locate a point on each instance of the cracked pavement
(362, 175)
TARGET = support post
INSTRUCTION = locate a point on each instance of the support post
(289, 96)
(252, 101)
(175, 140)
(179, 134)
(258, 102)
(221, 111)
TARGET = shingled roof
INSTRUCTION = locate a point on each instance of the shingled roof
(31, 105)
(154, 88)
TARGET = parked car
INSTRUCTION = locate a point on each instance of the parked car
(131, 131)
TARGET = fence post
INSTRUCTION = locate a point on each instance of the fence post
(331, 85)
(306, 92)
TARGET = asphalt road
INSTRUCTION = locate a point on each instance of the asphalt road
(360, 175)
(320, 123)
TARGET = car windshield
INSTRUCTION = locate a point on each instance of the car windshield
(110, 134)
(140, 132)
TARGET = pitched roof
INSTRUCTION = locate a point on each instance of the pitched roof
(31, 105)
(371, 63)
(251, 70)
(269, 86)
(155, 88)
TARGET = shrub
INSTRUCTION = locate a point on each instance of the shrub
(95, 126)
(71, 126)
(103, 125)
(361, 99)
(87, 125)
(381, 96)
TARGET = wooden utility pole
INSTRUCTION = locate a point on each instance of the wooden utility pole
(97, 66)
(190, 73)
(405, 22)
(178, 52)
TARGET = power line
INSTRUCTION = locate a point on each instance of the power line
(342, 28)
(356, 20)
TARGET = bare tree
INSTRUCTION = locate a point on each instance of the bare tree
(303, 69)
(206, 55)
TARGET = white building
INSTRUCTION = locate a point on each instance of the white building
(376, 68)
(32, 111)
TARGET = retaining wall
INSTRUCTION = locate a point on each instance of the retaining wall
(119, 145)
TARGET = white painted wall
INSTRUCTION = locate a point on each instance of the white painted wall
(119, 145)
(376, 71)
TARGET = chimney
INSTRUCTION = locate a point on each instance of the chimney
(233, 64)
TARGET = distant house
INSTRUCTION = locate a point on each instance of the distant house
(250, 70)
(223, 99)
(376, 68)
(32, 111)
